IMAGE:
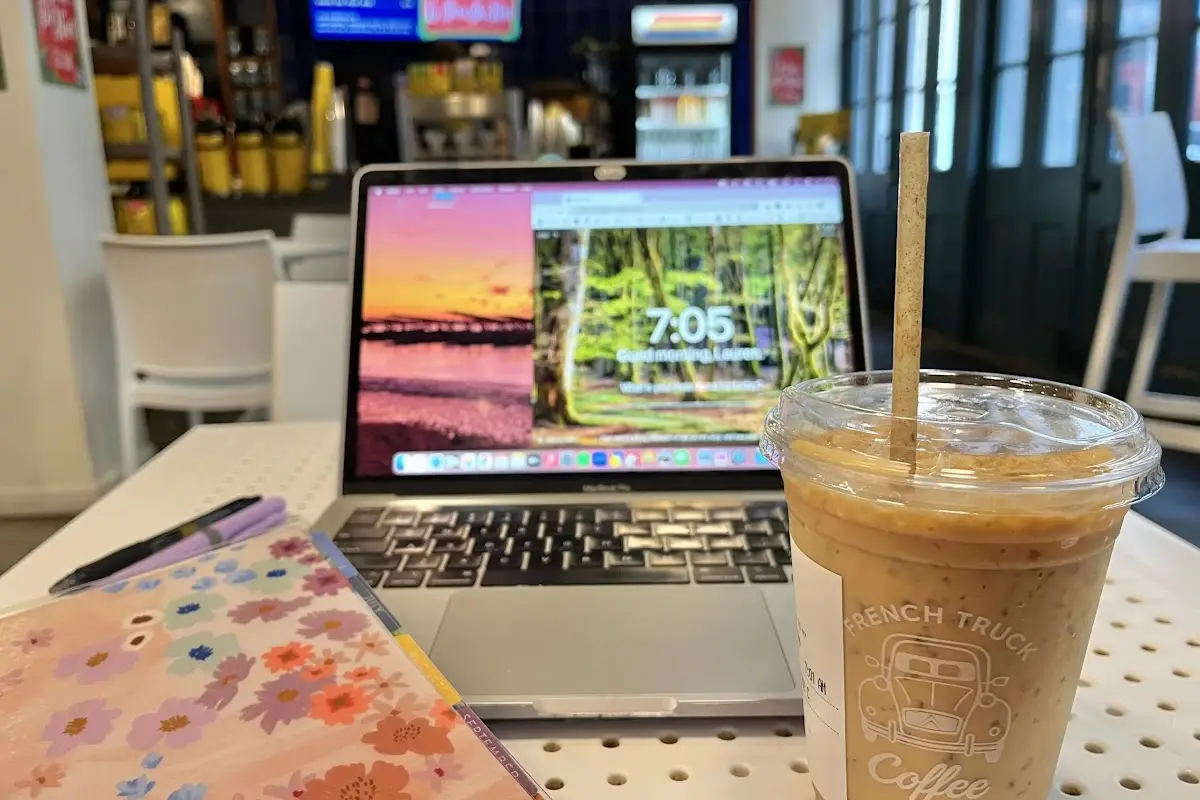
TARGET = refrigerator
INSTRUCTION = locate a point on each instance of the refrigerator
(683, 62)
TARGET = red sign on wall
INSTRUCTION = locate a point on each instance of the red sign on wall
(58, 42)
(787, 76)
(495, 20)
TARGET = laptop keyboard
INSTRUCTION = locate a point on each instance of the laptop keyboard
(400, 548)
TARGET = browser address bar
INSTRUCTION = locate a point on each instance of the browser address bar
(674, 207)
(602, 199)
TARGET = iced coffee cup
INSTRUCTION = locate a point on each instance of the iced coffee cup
(944, 606)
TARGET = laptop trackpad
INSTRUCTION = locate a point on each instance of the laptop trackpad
(635, 640)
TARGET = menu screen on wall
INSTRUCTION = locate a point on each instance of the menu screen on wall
(417, 20)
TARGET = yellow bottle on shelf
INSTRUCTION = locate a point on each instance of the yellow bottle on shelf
(322, 102)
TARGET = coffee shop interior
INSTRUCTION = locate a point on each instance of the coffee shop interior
(181, 173)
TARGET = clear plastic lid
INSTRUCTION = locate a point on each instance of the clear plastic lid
(974, 432)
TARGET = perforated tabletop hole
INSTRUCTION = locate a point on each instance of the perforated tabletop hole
(726, 735)
(1179, 672)
(1129, 676)
(784, 732)
(1150, 741)
(799, 766)
(1132, 784)
(669, 738)
(678, 775)
(552, 747)
(739, 771)
(1167, 705)
(1149, 648)
(1187, 776)
(1100, 651)
(610, 742)
(1163, 620)
(1116, 623)
(1071, 789)
(617, 779)
(1115, 711)
(554, 784)
(1133, 599)
(1095, 747)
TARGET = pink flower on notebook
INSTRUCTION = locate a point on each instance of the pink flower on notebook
(371, 644)
(227, 677)
(269, 609)
(440, 770)
(86, 722)
(47, 777)
(282, 701)
(325, 581)
(287, 657)
(97, 662)
(35, 639)
(293, 789)
(340, 626)
(339, 704)
(290, 548)
(177, 723)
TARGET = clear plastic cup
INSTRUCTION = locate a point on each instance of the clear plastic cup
(944, 610)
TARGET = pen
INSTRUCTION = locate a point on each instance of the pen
(126, 556)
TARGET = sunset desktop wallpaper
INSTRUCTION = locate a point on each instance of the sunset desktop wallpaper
(446, 358)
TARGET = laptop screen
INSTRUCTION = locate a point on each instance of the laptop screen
(593, 327)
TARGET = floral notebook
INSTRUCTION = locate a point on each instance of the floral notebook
(259, 671)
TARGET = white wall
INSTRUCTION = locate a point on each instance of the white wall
(57, 369)
(815, 25)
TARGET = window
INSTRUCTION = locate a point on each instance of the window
(916, 65)
(885, 45)
(947, 87)
(1135, 63)
(1010, 76)
(860, 66)
(1064, 94)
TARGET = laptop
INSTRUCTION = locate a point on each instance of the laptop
(557, 380)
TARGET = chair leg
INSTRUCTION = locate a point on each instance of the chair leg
(1108, 323)
(129, 427)
(1147, 352)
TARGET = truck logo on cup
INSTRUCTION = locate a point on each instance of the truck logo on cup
(935, 695)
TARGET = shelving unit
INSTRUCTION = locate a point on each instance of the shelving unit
(139, 58)
(461, 111)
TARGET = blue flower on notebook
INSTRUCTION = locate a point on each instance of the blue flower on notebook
(241, 576)
(226, 565)
(189, 791)
(148, 584)
(200, 651)
(138, 787)
(180, 573)
(115, 588)
(204, 559)
(152, 760)
(204, 584)
(183, 612)
(277, 575)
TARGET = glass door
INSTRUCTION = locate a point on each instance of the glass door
(908, 74)
(683, 106)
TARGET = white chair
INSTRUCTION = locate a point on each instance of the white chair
(193, 325)
(1154, 203)
(322, 229)
(312, 340)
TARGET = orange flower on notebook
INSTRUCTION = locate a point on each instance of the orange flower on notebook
(444, 715)
(47, 777)
(287, 657)
(382, 782)
(339, 704)
(360, 674)
(395, 736)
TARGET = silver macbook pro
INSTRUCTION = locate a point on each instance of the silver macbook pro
(558, 377)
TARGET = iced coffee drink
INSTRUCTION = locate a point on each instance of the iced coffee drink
(944, 606)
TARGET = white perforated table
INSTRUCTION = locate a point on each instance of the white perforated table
(1135, 731)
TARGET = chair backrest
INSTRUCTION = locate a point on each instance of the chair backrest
(192, 306)
(312, 340)
(322, 229)
(1155, 193)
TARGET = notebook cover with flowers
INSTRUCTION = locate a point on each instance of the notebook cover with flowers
(259, 671)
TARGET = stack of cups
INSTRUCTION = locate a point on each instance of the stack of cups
(945, 605)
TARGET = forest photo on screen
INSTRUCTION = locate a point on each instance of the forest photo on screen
(682, 334)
